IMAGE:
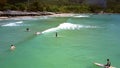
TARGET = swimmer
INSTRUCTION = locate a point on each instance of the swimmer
(12, 47)
(27, 29)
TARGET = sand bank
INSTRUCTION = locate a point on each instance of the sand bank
(62, 15)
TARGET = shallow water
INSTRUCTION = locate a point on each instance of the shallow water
(82, 40)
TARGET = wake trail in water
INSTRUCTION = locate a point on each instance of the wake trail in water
(68, 26)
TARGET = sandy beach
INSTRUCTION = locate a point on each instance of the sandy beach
(53, 15)
(62, 15)
(2, 18)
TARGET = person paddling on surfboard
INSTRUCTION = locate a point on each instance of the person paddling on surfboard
(108, 64)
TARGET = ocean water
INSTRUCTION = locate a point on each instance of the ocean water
(82, 40)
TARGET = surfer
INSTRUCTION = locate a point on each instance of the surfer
(108, 64)
(56, 34)
(12, 47)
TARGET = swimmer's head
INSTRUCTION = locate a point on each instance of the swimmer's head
(12, 45)
(107, 59)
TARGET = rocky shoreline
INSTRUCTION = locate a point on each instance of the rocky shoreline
(21, 13)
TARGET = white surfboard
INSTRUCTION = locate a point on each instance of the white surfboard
(37, 33)
(102, 65)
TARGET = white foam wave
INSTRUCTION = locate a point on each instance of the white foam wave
(30, 18)
(19, 22)
(68, 26)
(44, 17)
(10, 24)
(22, 18)
(50, 30)
(79, 16)
(13, 24)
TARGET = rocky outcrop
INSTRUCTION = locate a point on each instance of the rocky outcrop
(20, 13)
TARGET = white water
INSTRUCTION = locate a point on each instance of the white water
(80, 16)
(30, 18)
(13, 24)
(19, 22)
(68, 26)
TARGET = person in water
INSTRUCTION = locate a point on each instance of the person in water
(12, 47)
(56, 34)
(27, 29)
(108, 64)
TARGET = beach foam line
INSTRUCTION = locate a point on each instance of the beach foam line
(62, 15)
(19, 22)
(13, 24)
(30, 18)
(44, 17)
(10, 24)
(68, 26)
(80, 16)
(23, 18)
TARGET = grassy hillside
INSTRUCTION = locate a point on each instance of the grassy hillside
(77, 6)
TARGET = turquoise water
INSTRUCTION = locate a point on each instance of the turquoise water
(82, 40)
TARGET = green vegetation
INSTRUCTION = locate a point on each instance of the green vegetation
(75, 6)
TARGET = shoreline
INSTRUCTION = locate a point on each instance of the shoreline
(12, 14)
(62, 15)
(49, 14)
(27, 16)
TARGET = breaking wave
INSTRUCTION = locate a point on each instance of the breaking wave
(68, 26)
(13, 24)
(30, 18)
(19, 22)
(80, 16)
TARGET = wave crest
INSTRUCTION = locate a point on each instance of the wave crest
(80, 16)
(68, 26)
(13, 24)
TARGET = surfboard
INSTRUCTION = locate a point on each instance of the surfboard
(102, 65)
(37, 33)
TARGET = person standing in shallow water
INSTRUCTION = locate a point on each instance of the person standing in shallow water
(56, 34)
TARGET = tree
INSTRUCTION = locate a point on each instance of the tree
(2, 2)
(21, 6)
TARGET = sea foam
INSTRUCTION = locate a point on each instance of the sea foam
(13, 24)
(80, 16)
(68, 26)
